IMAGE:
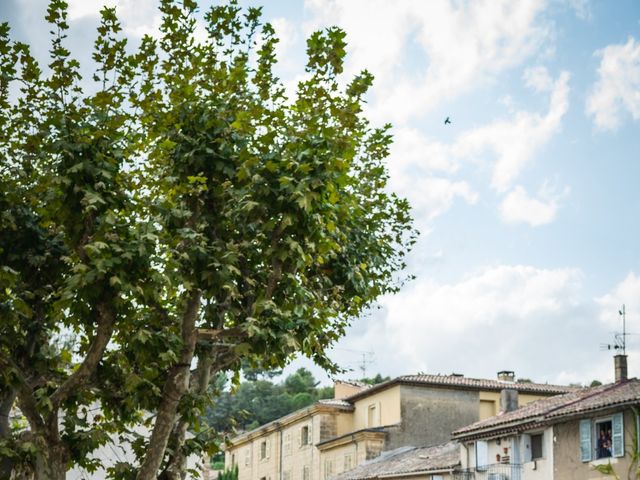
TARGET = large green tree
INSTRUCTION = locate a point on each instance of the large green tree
(171, 221)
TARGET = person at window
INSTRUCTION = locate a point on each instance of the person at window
(603, 447)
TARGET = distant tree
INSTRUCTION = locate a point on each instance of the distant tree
(255, 403)
(524, 380)
(375, 379)
(595, 383)
(301, 381)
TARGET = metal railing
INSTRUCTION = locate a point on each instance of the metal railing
(498, 471)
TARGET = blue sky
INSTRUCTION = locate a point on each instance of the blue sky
(527, 203)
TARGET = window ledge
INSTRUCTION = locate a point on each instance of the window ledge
(604, 461)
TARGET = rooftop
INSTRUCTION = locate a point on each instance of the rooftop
(556, 408)
(459, 381)
(407, 461)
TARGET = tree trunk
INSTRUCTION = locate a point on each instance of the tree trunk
(208, 365)
(174, 389)
(176, 467)
(6, 404)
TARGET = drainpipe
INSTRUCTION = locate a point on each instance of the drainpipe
(280, 453)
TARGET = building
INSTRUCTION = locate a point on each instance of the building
(333, 436)
(567, 437)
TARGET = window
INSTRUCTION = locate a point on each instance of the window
(247, 456)
(328, 469)
(233, 459)
(304, 436)
(287, 444)
(264, 450)
(437, 477)
(602, 438)
(286, 475)
(482, 455)
(536, 446)
(487, 409)
(348, 462)
(306, 473)
(373, 415)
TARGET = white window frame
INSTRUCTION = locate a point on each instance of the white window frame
(588, 437)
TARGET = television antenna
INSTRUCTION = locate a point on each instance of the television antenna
(367, 359)
(620, 339)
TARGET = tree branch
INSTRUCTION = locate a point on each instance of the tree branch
(106, 322)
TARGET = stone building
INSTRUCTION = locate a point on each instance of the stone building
(333, 436)
(567, 437)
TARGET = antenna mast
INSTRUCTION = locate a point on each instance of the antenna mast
(620, 342)
(623, 314)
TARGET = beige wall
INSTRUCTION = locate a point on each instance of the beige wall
(490, 402)
(338, 459)
(568, 465)
(286, 455)
(388, 404)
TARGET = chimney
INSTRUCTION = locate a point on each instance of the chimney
(506, 375)
(620, 362)
(508, 400)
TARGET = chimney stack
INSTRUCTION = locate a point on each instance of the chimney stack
(506, 375)
(508, 400)
(620, 362)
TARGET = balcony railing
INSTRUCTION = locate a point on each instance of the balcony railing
(498, 471)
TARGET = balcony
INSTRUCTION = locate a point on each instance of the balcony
(498, 471)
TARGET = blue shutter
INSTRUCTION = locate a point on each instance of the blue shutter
(585, 440)
(617, 432)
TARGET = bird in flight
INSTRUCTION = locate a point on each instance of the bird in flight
(447, 121)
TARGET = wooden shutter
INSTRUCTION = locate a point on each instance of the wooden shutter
(585, 440)
(482, 454)
(617, 434)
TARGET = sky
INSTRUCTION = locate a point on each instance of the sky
(527, 202)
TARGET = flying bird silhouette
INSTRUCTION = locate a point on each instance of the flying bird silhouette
(447, 121)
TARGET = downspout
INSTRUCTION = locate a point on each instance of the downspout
(637, 414)
(280, 453)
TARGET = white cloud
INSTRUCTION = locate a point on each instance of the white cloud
(538, 78)
(618, 86)
(456, 46)
(287, 34)
(515, 141)
(412, 148)
(138, 17)
(519, 207)
(627, 292)
(417, 166)
(481, 318)
(582, 9)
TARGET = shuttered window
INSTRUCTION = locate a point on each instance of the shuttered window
(617, 435)
(585, 440)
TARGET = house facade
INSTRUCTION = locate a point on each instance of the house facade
(568, 437)
(334, 436)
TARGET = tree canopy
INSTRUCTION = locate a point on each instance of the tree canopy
(169, 218)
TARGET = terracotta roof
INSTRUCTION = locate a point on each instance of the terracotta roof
(459, 381)
(335, 403)
(406, 461)
(550, 409)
